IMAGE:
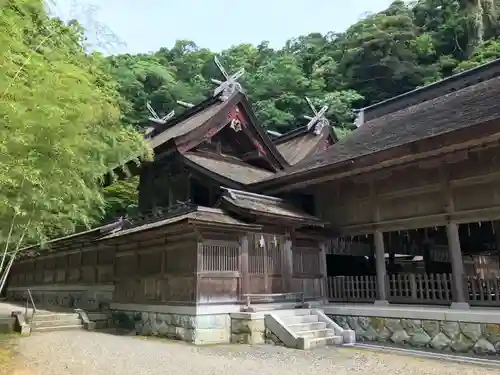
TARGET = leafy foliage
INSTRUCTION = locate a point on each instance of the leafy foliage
(383, 55)
(68, 115)
(61, 126)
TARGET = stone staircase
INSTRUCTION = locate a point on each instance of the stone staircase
(51, 321)
(307, 329)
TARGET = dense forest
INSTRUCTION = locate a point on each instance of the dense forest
(69, 115)
(403, 47)
(406, 46)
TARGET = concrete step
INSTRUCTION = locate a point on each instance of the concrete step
(291, 313)
(58, 328)
(310, 343)
(97, 316)
(55, 323)
(304, 327)
(289, 320)
(318, 333)
(55, 316)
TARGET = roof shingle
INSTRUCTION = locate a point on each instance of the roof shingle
(461, 109)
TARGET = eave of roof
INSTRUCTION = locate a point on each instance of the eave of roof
(232, 171)
(90, 235)
(263, 206)
(442, 87)
(466, 108)
(202, 215)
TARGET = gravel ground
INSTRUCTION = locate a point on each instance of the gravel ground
(92, 353)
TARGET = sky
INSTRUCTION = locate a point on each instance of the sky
(147, 25)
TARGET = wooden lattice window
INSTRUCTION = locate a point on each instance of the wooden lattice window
(219, 256)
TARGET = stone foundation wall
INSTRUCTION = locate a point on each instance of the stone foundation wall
(199, 330)
(249, 328)
(90, 299)
(440, 335)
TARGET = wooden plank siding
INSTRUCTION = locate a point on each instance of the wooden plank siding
(188, 266)
(413, 196)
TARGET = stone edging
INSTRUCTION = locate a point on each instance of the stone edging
(408, 312)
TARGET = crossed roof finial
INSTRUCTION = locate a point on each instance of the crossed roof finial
(154, 116)
(230, 85)
(157, 119)
(319, 120)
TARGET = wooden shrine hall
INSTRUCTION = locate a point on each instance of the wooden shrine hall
(403, 211)
(201, 235)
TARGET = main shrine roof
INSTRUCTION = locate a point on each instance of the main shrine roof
(470, 106)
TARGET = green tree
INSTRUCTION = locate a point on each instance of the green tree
(60, 130)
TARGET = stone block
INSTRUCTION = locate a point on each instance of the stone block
(471, 330)
(483, 346)
(491, 332)
(247, 326)
(440, 341)
(450, 329)
(400, 337)
(462, 344)
(419, 338)
(220, 321)
(211, 336)
(431, 327)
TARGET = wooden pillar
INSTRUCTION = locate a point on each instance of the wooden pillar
(496, 229)
(379, 252)
(457, 267)
(265, 264)
(287, 264)
(381, 269)
(245, 274)
(323, 271)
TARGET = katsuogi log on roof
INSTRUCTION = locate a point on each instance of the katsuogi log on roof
(302, 143)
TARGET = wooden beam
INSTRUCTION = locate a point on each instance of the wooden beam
(383, 161)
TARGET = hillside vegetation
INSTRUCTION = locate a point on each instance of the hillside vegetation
(68, 115)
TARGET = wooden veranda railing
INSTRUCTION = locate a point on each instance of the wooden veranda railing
(352, 288)
(422, 289)
(484, 291)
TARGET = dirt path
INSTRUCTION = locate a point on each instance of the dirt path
(83, 353)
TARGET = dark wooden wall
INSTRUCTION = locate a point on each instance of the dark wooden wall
(157, 270)
(183, 266)
(88, 263)
(464, 186)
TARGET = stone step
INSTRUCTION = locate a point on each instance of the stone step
(292, 312)
(58, 328)
(55, 323)
(322, 341)
(55, 316)
(317, 333)
(289, 320)
(303, 327)
(94, 316)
